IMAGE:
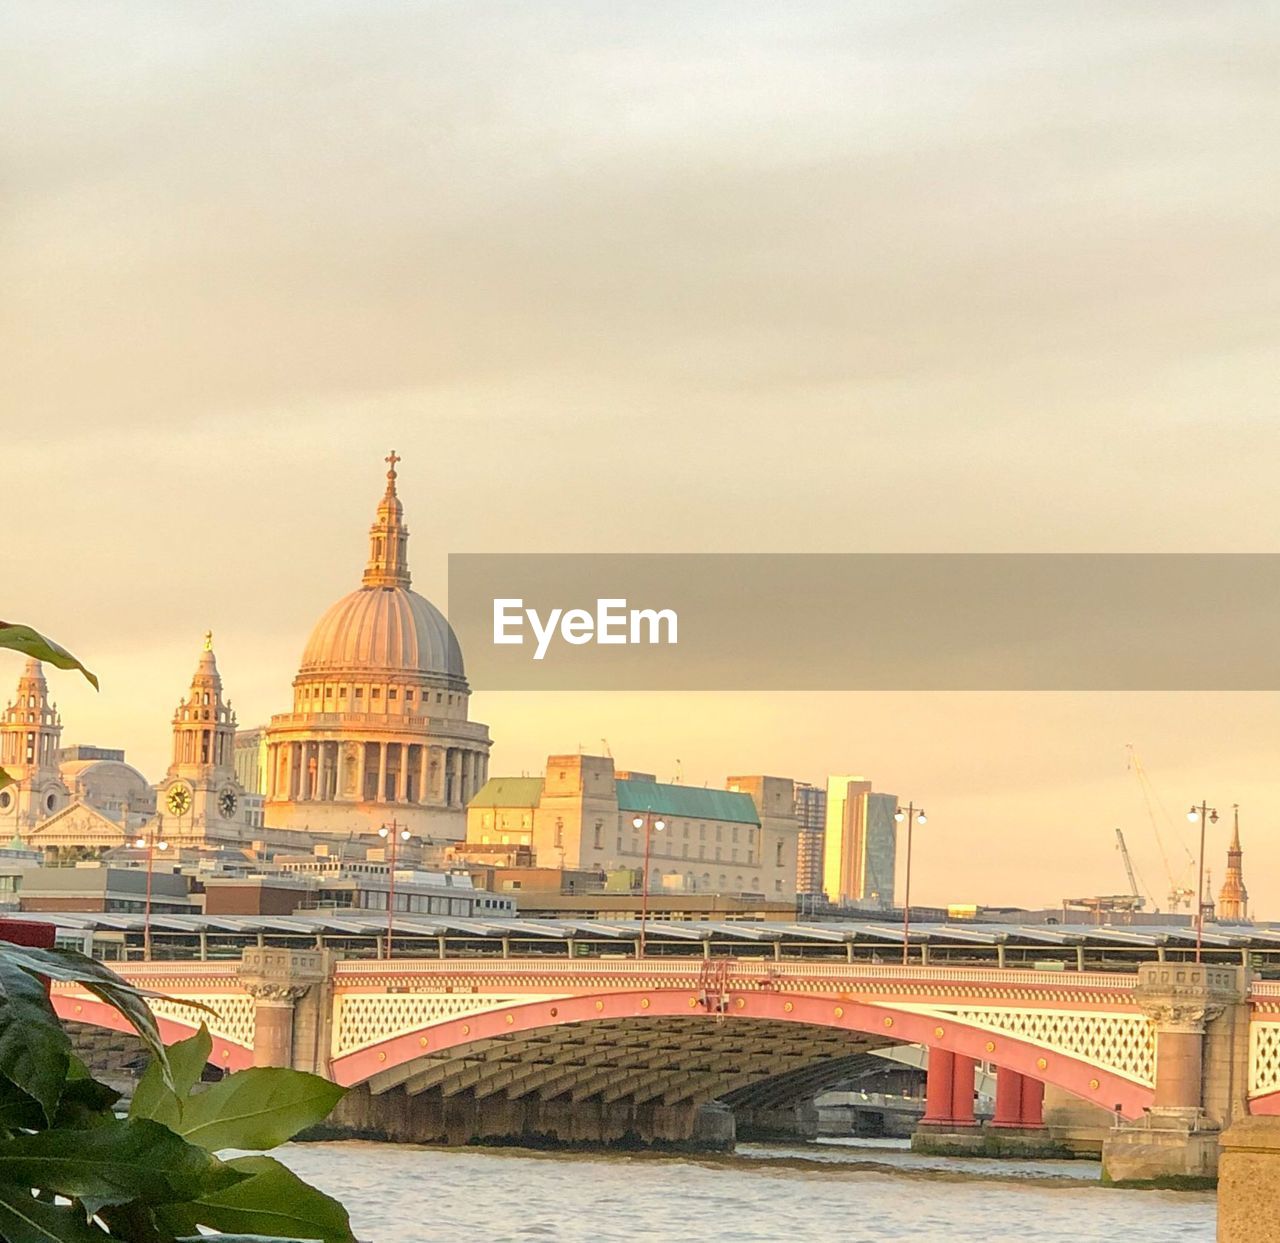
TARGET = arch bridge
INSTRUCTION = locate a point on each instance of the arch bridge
(601, 1050)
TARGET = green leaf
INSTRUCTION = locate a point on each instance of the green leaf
(273, 1200)
(153, 1098)
(35, 1052)
(115, 1163)
(69, 966)
(18, 1111)
(30, 643)
(242, 1238)
(24, 1219)
(257, 1108)
(6, 779)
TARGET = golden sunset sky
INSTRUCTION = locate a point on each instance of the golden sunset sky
(651, 276)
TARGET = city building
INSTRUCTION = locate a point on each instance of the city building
(416, 893)
(811, 817)
(30, 730)
(250, 759)
(1233, 897)
(98, 886)
(582, 815)
(98, 777)
(199, 800)
(379, 726)
(860, 844)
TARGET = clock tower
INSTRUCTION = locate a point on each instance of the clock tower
(200, 799)
(30, 732)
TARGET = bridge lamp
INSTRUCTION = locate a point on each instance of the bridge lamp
(392, 834)
(913, 815)
(150, 844)
(1206, 815)
(648, 823)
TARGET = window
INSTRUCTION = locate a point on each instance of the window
(408, 697)
(391, 694)
(777, 862)
(599, 835)
(375, 693)
(328, 692)
(359, 692)
(735, 832)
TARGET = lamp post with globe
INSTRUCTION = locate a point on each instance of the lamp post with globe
(649, 824)
(392, 834)
(1204, 813)
(911, 813)
(151, 841)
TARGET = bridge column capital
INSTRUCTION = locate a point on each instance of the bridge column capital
(1185, 997)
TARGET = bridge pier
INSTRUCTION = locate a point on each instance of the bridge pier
(1201, 1023)
(291, 1006)
(949, 1127)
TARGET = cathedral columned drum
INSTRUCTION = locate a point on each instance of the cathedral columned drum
(379, 726)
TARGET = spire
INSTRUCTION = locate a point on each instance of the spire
(388, 538)
(1233, 899)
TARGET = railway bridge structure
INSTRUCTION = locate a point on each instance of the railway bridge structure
(658, 1050)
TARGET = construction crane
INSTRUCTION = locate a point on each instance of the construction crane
(1112, 903)
(1180, 891)
(1128, 867)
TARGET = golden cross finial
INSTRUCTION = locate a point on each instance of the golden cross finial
(391, 459)
(208, 640)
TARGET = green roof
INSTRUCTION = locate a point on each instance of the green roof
(686, 802)
(508, 792)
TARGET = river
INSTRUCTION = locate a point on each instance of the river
(829, 1192)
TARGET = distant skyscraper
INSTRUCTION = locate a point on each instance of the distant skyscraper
(860, 843)
(811, 814)
(1233, 897)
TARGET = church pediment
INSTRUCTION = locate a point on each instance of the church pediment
(78, 824)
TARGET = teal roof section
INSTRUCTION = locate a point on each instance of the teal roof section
(686, 802)
(508, 792)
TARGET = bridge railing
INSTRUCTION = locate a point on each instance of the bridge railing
(686, 971)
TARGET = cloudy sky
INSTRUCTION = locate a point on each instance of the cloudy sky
(641, 277)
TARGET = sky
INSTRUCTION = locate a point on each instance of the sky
(895, 276)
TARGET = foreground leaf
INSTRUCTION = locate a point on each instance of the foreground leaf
(24, 1219)
(71, 967)
(31, 643)
(115, 1163)
(257, 1108)
(6, 779)
(154, 1099)
(273, 1201)
(35, 1052)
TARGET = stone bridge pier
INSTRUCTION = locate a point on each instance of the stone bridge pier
(1201, 1019)
(292, 1004)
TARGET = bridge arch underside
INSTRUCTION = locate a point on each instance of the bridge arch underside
(639, 1079)
(600, 1068)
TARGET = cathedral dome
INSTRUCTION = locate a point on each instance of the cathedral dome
(383, 630)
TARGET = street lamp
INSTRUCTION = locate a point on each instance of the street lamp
(150, 842)
(393, 834)
(648, 823)
(1204, 813)
(911, 814)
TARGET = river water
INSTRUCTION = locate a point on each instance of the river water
(840, 1191)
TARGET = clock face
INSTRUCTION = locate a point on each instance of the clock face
(179, 801)
(227, 803)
